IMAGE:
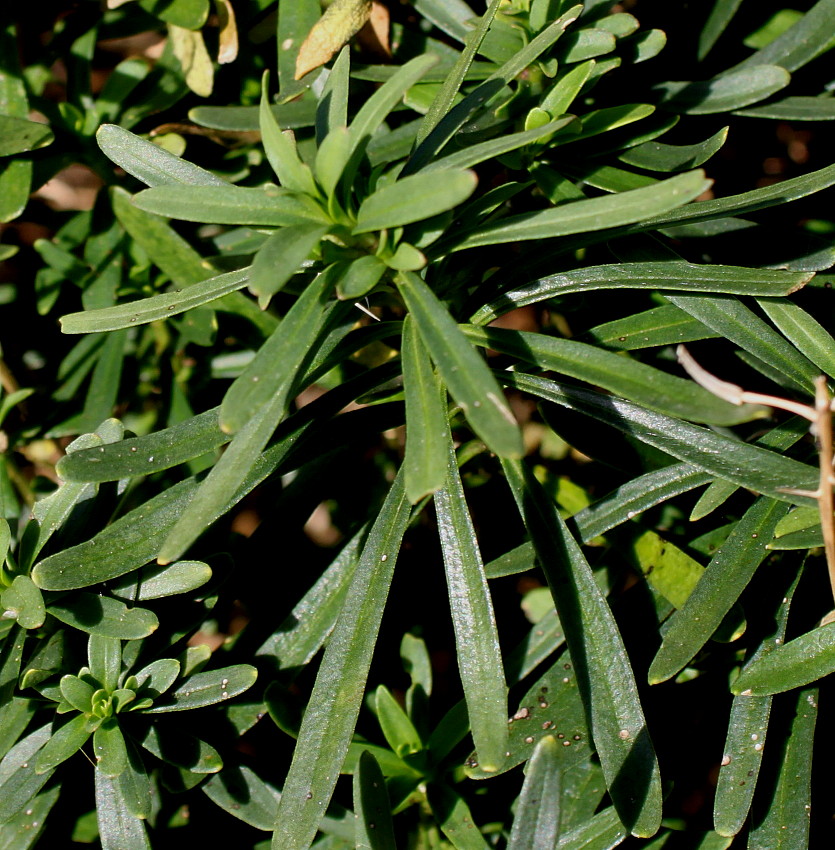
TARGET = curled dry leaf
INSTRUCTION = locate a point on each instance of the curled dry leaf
(227, 50)
(341, 21)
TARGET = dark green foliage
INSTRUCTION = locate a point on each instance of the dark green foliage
(349, 375)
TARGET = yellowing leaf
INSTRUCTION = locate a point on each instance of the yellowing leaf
(341, 20)
(227, 49)
(190, 49)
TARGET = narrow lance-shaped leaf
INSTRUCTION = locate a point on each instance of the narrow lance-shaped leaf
(453, 119)
(280, 148)
(271, 372)
(763, 471)
(604, 674)
(64, 743)
(266, 404)
(279, 258)
(808, 38)
(591, 214)
(150, 163)
(414, 198)
(799, 662)
(334, 705)
(783, 821)
(273, 206)
(747, 728)
(628, 378)
(150, 453)
(536, 823)
(119, 828)
(207, 688)
(722, 94)
(372, 809)
(425, 459)
(101, 615)
(462, 370)
(445, 97)
(727, 575)
(156, 307)
(476, 634)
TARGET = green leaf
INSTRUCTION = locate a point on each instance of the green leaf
(150, 163)
(670, 570)
(656, 156)
(604, 674)
(22, 831)
(109, 748)
(157, 677)
(590, 214)
(803, 331)
(373, 112)
(303, 633)
(167, 248)
(143, 455)
(361, 276)
(104, 657)
(280, 257)
(18, 780)
(744, 203)
(757, 469)
(242, 793)
(665, 325)
(272, 206)
(562, 94)
(551, 706)
(456, 117)
(536, 823)
(461, 369)
(445, 97)
(101, 615)
(64, 743)
(158, 582)
(292, 115)
(372, 809)
(18, 135)
(580, 45)
(726, 576)
(797, 663)
(628, 378)
(720, 16)
(425, 461)
(265, 403)
(414, 198)
(453, 815)
(334, 705)
(783, 820)
(729, 317)
(398, 729)
(493, 148)
(182, 750)
(476, 634)
(127, 544)
(794, 109)
(747, 728)
(807, 39)
(156, 307)
(119, 828)
(77, 692)
(783, 437)
(23, 601)
(208, 688)
(602, 832)
(332, 156)
(135, 784)
(281, 151)
(332, 108)
(724, 93)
